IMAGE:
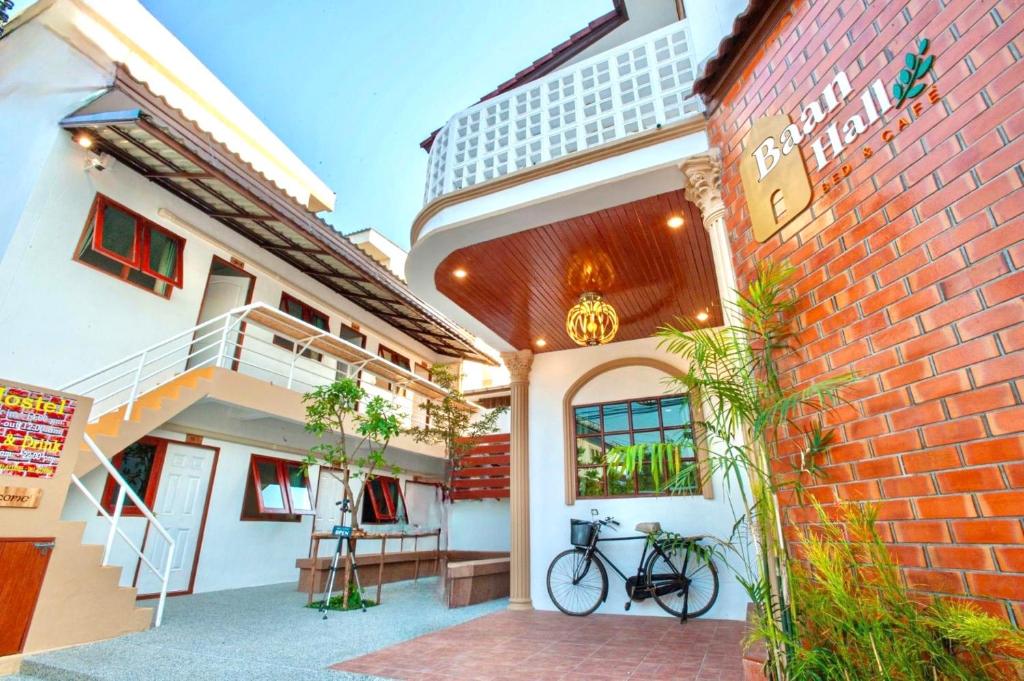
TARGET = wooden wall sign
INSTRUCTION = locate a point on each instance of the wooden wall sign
(20, 497)
(33, 428)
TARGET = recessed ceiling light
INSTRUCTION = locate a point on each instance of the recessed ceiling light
(702, 316)
(675, 222)
(84, 141)
(459, 273)
(540, 342)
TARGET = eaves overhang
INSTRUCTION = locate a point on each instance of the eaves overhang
(132, 124)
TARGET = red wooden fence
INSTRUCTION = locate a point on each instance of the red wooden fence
(483, 472)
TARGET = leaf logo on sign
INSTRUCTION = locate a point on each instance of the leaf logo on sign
(917, 67)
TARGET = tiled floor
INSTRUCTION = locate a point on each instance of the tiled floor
(545, 646)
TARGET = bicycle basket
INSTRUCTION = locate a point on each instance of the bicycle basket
(580, 532)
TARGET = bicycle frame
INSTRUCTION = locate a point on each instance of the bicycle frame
(637, 589)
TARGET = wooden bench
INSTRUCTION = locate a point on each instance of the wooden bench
(475, 581)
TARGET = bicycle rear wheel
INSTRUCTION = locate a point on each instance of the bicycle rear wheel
(665, 574)
(577, 584)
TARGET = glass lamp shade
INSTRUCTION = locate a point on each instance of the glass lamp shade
(592, 321)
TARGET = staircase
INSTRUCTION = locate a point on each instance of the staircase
(483, 472)
(112, 432)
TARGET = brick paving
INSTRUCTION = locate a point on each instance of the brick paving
(545, 646)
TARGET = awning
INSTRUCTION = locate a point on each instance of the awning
(139, 129)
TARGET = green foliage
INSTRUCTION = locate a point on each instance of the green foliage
(450, 422)
(333, 410)
(336, 601)
(855, 621)
(748, 411)
(667, 461)
(916, 67)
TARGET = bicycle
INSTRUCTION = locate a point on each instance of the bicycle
(675, 571)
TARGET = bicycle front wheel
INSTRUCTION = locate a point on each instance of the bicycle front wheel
(577, 584)
(681, 575)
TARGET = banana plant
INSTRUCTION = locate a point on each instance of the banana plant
(665, 459)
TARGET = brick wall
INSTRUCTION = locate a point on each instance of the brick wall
(911, 273)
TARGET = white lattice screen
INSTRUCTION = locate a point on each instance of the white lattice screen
(633, 87)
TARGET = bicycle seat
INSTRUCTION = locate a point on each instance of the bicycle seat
(648, 528)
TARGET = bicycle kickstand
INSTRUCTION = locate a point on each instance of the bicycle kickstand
(686, 602)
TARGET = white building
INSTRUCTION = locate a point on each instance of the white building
(588, 171)
(162, 255)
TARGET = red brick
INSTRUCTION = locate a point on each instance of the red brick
(960, 430)
(987, 531)
(999, 369)
(1006, 421)
(1008, 287)
(1009, 503)
(951, 311)
(918, 415)
(858, 491)
(962, 557)
(981, 400)
(1010, 558)
(931, 460)
(994, 450)
(992, 319)
(896, 443)
(970, 480)
(921, 531)
(928, 344)
(997, 585)
(935, 580)
(946, 506)
(907, 373)
(878, 468)
(941, 386)
(969, 353)
(908, 486)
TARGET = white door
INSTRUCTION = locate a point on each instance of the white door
(180, 500)
(223, 293)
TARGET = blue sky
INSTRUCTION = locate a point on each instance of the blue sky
(352, 87)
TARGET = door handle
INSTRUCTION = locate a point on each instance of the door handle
(44, 547)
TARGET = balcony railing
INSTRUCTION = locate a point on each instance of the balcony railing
(636, 86)
(263, 342)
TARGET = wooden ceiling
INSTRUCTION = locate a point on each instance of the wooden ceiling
(521, 286)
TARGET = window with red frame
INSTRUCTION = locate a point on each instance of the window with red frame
(276, 489)
(384, 352)
(125, 245)
(383, 501)
(300, 310)
(139, 464)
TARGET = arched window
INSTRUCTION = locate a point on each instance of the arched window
(640, 410)
(778, 204)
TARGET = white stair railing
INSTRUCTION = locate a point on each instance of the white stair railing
(124, 490)
(236, 341)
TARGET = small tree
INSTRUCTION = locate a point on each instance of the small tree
(451, 423)
(333, 410)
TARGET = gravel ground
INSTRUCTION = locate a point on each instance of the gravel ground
(256, 634)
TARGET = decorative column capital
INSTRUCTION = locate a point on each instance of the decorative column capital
(703, 184)
(518, 364)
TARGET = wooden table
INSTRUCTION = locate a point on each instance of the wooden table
(383, 537)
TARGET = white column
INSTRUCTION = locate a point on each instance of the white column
(703, 186)
(518, 364)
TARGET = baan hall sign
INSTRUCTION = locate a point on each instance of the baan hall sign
(775, 179)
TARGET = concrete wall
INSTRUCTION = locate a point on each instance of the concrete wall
(482, 525)
(237, 553)
(552, 375)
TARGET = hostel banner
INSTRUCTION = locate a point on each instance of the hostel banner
(33, 429)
